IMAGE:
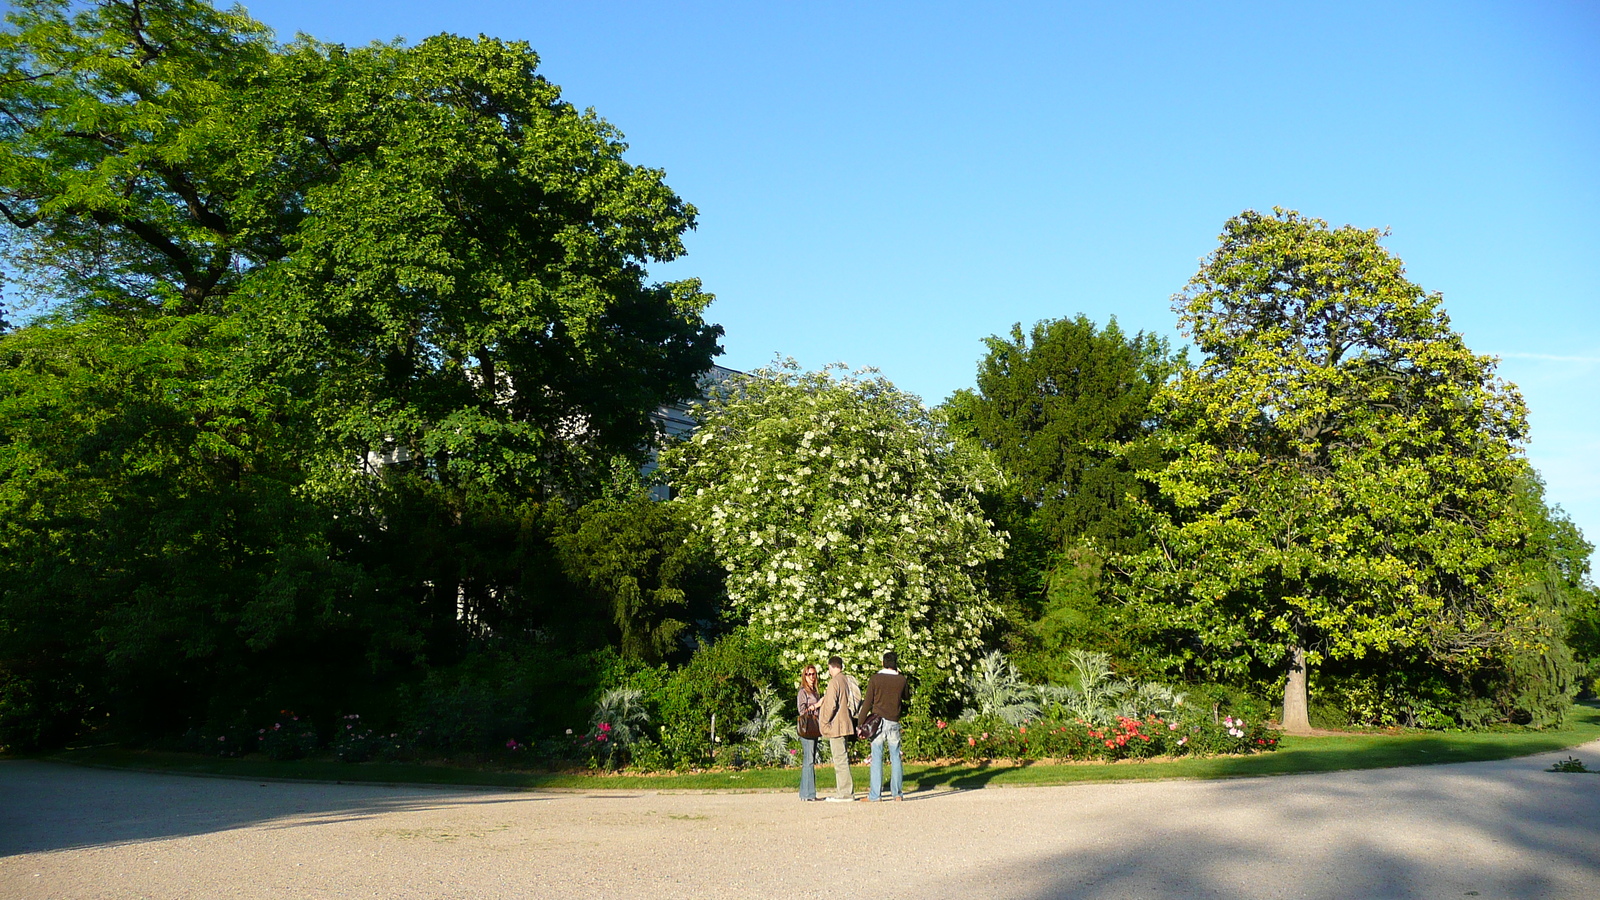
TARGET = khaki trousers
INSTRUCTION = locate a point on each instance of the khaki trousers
(844, 785)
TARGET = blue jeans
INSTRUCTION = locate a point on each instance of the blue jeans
(889, 736)
(808, 772)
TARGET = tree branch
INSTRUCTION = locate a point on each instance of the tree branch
(148, 233)
(18, 221)
(136, 31)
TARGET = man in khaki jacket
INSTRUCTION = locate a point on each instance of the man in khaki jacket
(837, 718)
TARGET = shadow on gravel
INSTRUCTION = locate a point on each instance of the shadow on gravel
(49, 806)
(1488, 830)
(966, 776)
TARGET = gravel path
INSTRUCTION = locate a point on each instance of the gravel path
(1502, 829)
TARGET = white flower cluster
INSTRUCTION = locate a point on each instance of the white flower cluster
(845, 519)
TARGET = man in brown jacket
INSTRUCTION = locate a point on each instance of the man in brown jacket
(837, 720)
(886, 694)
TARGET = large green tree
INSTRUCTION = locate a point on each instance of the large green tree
(394, 295)
(846, 519)
(1343, 469)
(1063, 408)
(1052, 405)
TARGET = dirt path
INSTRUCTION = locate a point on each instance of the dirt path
(1503, 829)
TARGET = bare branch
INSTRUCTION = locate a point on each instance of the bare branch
(16, 220)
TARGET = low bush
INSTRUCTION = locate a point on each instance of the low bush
(289, 737)
(226, 741)
(495, 696)
(1057, 738)
(354, 742)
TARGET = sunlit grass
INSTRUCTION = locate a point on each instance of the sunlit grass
(1353, 750)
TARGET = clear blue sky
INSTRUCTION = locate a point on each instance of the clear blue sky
(887, 183)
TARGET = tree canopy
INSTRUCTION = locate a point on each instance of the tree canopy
(1064, 410)
(314, 332)
(1053, 405)
(847, 521)
(1343, 466)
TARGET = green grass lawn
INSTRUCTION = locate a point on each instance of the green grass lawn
(1355, 750)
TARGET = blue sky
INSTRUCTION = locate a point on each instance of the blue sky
(885, 184)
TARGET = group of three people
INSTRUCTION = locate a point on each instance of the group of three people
(838, 709)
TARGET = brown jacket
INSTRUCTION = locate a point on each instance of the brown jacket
(885, 694)
(834, 716)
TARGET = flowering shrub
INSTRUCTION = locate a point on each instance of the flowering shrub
(226, 742)
(846, 519)
(290, 737)
(354, 742)
(1056, 738)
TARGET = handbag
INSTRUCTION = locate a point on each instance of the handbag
(809, 727)
(869, 727)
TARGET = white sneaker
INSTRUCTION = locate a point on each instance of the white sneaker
(837, 799)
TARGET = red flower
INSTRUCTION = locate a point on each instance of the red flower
(941, 723)
(972, 742)
(605, 727)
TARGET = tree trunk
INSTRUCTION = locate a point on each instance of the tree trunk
(1295, 718)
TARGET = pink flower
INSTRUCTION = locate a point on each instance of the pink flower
(940, 723)
(1172, 726)
(972, 742)
(605, 727)
(986, 735)
(600, 737)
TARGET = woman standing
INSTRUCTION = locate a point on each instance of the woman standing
(807, 702)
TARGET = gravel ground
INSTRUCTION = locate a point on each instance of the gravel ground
(1501, 829)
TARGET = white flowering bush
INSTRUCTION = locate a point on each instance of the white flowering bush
(846, 519)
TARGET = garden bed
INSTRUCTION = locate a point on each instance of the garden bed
(1321, 753)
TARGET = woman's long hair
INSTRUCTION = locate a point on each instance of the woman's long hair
(809, 669)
